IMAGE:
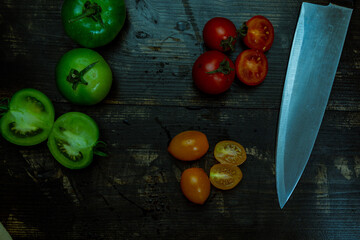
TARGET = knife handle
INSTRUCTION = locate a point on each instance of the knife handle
(344, 3)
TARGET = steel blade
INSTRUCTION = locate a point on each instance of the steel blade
(316, 49)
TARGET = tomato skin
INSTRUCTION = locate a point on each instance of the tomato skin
(260, 33)
(89, 32)
(230, 152)
(98, 78)
(29, 118)
(73, 134)
(203, 72)
(225, 176)
(189, 145)
(220, 34)
(251, 67)
(195, 185)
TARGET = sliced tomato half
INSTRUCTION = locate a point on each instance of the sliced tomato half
(251, 67)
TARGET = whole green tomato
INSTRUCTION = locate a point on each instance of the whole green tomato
(93, 23)
(83, 76)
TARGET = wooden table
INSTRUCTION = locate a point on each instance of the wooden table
(135, 193)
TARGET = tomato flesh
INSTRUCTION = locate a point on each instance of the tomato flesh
(225, 176)
(29, 118)
(251, 67)
(189, 145)
(260, 33)
(83, 76)
(230, 152)
(195, 185)
(72, 139)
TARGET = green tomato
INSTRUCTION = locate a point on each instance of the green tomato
(74, 139)
(83, 76)
(28, 119)
(93, 23)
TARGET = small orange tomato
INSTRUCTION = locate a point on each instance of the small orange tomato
(230, 152)
(189, 145)
(195, 185)
(225, 176)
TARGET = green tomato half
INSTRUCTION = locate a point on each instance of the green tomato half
(83, 76)
(93, 23)
(29, 118)
(73, 139)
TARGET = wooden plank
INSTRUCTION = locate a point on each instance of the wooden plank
(137, 187)
(35, 42)
(134, 193)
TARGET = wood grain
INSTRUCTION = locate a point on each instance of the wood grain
(134, 193)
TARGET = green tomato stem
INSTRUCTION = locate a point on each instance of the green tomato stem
(100, 144)
(228, 43)
(243, 30)
(75, 77)
(92, 10)
(223, 68)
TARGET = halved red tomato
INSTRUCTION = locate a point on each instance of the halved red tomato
(258, 33)
(230, 152)
(251, 67)
(225, 176)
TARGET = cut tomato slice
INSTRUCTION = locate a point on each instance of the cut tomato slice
(251, 67)
(230, 152)
(225, 176)
(259, 34)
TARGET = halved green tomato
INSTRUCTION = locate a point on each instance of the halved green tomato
(73, 140)
(28, 119)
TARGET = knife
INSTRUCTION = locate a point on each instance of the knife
(314, 57)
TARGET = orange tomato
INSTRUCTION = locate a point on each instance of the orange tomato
(225, 176)
(230, 152)
(189, 145)
(195, 185)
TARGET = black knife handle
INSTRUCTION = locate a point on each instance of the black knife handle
(344, 3)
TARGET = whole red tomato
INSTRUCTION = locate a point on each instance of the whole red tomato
(220, 34)
(213, 72)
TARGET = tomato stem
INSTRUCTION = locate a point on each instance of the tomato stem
(100, 144)
(92, 10)
(75, 77)
(4, 106)
(223, 68)
(228, 43)
(243, 30)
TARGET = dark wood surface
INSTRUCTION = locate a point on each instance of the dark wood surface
(135, 193)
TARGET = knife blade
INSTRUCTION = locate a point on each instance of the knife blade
(314, 57)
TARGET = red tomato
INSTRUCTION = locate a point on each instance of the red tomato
(220, 34)
(213, 72)
(189, 145)
(195, 185)
(225, 176)
(251, 67)
(259, 33)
